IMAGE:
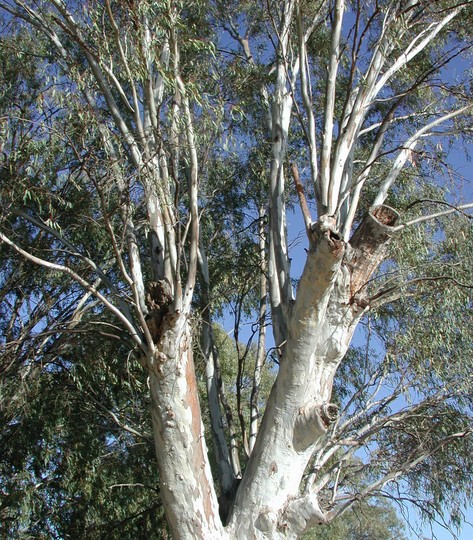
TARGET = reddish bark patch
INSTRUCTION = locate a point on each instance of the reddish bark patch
(369, 243)
(385, 215)
(336, 243)
(198, 457)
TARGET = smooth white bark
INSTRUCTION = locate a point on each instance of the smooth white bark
(261, 346)
(187, 488)
(281, 107)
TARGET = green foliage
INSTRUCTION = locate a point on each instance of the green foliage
(67, 469)
(416, 369)
(364, 521)
(229, 362)
(231, 355)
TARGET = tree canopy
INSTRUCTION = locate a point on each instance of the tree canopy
(157, 158)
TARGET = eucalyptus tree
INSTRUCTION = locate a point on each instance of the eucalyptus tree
(149, 119)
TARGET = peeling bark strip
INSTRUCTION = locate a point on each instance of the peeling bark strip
(187, 490)
(301, 195)
(369, 243)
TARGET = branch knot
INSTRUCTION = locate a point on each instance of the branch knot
(311, 423)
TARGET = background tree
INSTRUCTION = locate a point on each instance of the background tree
(362, 522)
(150, 151)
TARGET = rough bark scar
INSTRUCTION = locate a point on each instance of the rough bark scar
(369, 243)
(328, 413)
(385, 215)
(312, 422)
(158, 300)
(326, 229)
(336, 242)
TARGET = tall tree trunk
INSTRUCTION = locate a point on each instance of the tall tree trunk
(260, 350)
(322, 321)
(187, 488)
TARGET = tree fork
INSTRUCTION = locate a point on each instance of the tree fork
(280, 456)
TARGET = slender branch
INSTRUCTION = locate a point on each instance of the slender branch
(302, 200)
(453, 208)
(34, 18)
(393, 475)
(113, 239)
(380, 135)
(137, 285)
(193, 197)
(102, 82)
(355, 110)
(326, 189)
(305, 90)
(417, 45)
(394, 293)
(85, 284)
(260, 351)
(365, 94)
(383, 126)
(227, 462)
(131, 82)
(147, 437)
(76, 253)
(280, 285)
(407, 148)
